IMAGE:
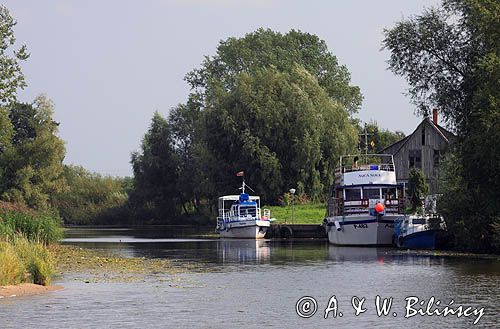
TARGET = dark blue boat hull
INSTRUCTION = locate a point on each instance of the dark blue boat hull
(420, 240)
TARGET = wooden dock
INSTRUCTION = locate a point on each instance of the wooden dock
(288, 231)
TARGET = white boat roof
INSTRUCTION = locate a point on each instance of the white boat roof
(236, 197)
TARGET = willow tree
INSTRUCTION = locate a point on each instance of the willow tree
(274, 105)
(155, 167)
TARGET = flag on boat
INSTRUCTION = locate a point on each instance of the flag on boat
(240, 173)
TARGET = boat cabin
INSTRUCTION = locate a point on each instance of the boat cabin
(239, 207)
(362, 181)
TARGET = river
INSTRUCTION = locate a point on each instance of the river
(255, 284)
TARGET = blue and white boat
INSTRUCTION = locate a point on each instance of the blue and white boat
(240, 216)
(418, 232)
(364, 202)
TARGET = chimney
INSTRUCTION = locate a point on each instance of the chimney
(435, 116)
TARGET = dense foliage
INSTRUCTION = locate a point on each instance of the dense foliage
(24, 234)
(156, 169)
(31, 162)
(11, 75)
(373, 139)
(273, 105)
(451, 59)
(91, 198)
(417, 188)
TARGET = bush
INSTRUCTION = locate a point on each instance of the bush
(91, 198)
(11, 268)
(37, 260)
(24, 234)
(301, 198)
(43, 227)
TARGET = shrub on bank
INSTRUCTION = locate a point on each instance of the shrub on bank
(24, 234)
(22, 260)
(43, 227)
(37, 260)
(11, 268)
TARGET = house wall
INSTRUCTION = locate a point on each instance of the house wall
(433, 141)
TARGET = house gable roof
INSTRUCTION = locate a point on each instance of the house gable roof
(445, 134)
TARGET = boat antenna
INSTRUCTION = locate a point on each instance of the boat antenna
(242, 175)
(243, 184)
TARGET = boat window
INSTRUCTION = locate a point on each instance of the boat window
(389, 193)
(248, 211)
(371, 193)
(352, 194)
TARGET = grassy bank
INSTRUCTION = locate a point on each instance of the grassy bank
(24, 237)
(312, 213)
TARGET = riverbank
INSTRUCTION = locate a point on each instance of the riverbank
(100, 265)
(311, 213)
(25, 289)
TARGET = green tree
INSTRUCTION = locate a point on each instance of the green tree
(276, 106)
(11, 76)
(266, 48)
(90, 197)
(377, 138)
(451, 59)
(31, 167)
(281, 128)
(192, 183)
(417, 188)
(156, 168)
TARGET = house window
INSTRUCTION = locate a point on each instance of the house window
(423, 135)
(415, 159)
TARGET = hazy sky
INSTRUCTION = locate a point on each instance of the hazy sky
(108, 65)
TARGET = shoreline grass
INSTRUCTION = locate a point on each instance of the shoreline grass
(24, 237)
(311, 213)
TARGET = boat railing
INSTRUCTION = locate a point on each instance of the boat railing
(341, 207)
(383, 162)
(225, 216)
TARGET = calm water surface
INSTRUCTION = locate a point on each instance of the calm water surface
(255, 284)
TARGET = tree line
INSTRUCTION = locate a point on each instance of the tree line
(277, 106)
(281, 108)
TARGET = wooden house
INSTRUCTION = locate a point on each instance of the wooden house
(423, 149)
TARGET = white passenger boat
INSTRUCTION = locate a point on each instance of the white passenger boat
(240, 216)
(364, 201)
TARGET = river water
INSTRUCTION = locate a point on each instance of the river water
(255, 284)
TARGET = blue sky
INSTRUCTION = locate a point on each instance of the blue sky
(108, 65)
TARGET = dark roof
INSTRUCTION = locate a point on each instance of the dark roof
(441, 131)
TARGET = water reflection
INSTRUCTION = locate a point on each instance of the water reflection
(243, 251)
